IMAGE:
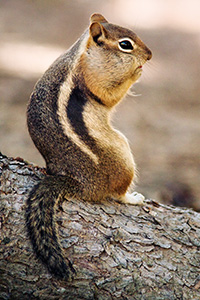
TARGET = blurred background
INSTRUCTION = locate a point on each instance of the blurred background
(161, 120)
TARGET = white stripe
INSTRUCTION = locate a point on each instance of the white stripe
(63, 99)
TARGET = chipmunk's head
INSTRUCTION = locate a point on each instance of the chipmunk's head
(113, 59)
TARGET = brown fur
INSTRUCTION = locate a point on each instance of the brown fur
(69, 121)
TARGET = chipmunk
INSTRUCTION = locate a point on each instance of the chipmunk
(69, 121)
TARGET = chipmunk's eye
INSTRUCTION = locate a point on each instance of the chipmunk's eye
(126, 45)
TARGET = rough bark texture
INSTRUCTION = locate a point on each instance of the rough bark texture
(119, 251)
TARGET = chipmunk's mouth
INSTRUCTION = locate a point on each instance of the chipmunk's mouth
(138, 70)
(140, 67)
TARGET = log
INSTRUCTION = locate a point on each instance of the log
(119, 251)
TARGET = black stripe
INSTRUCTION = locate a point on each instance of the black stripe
(75, 110)
(94, 97)
(82, 86)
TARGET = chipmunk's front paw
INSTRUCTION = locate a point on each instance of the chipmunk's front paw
(134, 198)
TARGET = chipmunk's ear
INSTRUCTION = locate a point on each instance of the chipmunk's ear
(97, 18)
(97, 30)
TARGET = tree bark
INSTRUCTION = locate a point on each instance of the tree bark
(118, 251)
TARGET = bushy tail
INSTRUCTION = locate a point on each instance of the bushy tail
(41, 225)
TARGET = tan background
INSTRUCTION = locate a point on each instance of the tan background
(162, 123)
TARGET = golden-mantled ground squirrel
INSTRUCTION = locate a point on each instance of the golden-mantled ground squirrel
(69, 121)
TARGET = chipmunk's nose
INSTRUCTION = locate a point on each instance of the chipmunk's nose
(149, 53)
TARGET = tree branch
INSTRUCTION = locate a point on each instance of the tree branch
(118, 251)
